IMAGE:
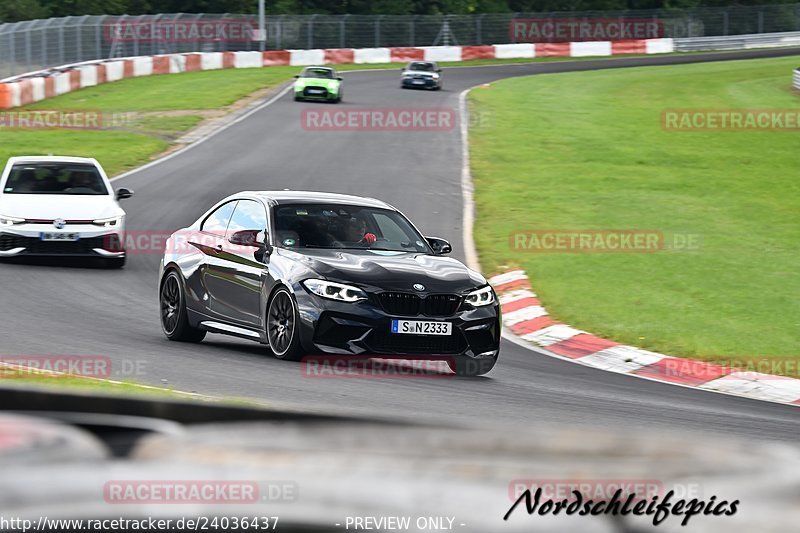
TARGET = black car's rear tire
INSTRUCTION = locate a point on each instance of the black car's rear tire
(469, 367)
(283, 336)
(172, 305)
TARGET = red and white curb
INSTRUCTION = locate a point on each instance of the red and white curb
(525, 318)
(36, 86)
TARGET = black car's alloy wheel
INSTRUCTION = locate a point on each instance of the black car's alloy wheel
(172, 304)
(282, 326)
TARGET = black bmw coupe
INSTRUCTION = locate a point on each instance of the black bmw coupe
(317, 273)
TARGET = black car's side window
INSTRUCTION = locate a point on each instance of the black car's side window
(248, 214)
(217, 221)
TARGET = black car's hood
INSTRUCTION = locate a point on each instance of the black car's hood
(394, 271)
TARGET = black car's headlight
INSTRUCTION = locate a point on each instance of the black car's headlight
(480, 297)
(334, 291)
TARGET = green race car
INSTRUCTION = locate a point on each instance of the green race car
(318, 83)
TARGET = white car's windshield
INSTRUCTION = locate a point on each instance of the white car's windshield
(55, 178)
(424, 67)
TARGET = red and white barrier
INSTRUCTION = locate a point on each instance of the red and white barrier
(525, 318)
(36, 86)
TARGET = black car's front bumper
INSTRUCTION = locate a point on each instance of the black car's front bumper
(331, 327)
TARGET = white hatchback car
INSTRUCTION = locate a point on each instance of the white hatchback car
(61, 206)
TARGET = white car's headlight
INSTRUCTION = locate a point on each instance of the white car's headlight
(436, 76)
(110, 222)
(335, 291)
(484, 296)
(10, 221)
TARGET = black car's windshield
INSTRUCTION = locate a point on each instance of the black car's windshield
(322, 73)
(337, 226)
(425, 67)
(55, 178)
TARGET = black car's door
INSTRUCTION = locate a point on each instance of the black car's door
(243, 266)
(207, 279)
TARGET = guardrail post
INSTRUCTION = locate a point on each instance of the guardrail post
(725, 22)
(79, 38)
(760, 22)
(279, 33)
(342, 26)
(28, 50)
(479, 29)
(310, 36)
(43, 42)
(12, 55)
(61, 41)
(98, 37)
(378, 31)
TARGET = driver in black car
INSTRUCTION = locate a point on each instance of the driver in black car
(356, 232)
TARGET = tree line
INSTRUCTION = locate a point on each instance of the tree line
(14, 10)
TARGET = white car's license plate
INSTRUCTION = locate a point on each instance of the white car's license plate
(419, 82)
(421, 327)
(59, 236)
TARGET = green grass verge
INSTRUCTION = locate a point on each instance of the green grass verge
(587, 151)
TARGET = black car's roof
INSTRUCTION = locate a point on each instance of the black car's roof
(291, 197)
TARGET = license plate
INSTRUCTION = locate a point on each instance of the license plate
(419, 82)
(59, 236)
(421, 327)
(316, 91)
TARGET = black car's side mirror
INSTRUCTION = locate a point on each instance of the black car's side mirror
(340, 78)
(296, 76)
(124, 193)
(438, 70)
(440, 246)
(248, 237)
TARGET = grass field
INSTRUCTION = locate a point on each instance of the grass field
(587, 151)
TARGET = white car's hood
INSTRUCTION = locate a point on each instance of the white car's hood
(53, 206)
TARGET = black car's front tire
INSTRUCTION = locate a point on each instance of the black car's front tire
(174, 318)
(283, 331)
(469, 367)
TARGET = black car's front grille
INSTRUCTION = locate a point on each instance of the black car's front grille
(34, 245)
(400, 303)
(385, 342)
(407, 304)
(441, 304)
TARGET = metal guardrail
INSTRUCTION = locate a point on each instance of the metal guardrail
(38, 44)
(796, 79)
(737, 42)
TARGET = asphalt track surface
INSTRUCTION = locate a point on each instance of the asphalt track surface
(47, 309)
